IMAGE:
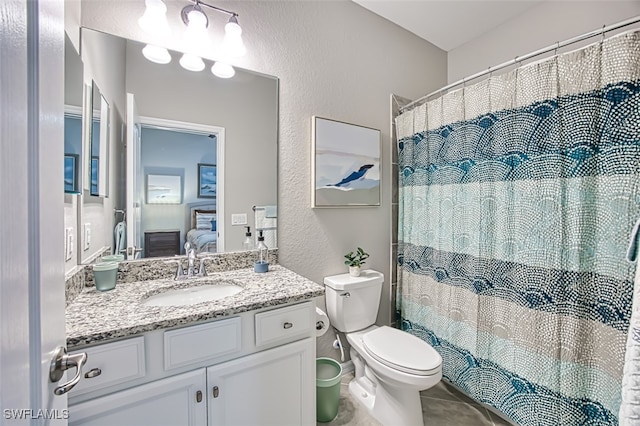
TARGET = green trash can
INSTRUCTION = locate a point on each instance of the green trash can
(328, 376)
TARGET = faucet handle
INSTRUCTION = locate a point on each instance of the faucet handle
(187, 247)
(202, 272)
(179, 271)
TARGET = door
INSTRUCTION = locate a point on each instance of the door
(31, 221)
(178, 400)
(275, 387)
(134, 183)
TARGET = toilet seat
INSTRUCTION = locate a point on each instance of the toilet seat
(402, 351)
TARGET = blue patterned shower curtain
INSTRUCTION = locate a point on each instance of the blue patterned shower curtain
(517, 198)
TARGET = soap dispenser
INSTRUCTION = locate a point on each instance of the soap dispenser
(248, 241)
(262, 264)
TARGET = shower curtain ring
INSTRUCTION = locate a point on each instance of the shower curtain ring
(603, 27)
(557, 47)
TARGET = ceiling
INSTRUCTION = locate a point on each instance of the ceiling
(448, 23)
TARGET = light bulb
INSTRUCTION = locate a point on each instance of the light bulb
(192, 62)
(196, 36)
(156, 54)
(154, 19)
(233, 27)
(232, 44)
(222, 70)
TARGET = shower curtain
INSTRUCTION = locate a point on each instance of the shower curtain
(517, 196)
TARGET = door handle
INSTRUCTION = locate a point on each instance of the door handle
(60, 363)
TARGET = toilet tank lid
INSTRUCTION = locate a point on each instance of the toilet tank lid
(347, 282)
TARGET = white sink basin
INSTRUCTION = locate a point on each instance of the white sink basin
(193, 295)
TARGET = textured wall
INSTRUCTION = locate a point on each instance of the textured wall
(336, 60)
(539, 27)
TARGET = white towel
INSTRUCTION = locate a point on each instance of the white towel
(268, 226)
(271, 211)
(120, 235)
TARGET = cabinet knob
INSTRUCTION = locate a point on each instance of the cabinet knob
(216, 392)
(199, 396)
(288, 325)
(94, 372)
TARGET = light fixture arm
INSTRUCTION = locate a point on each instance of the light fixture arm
(219, 9)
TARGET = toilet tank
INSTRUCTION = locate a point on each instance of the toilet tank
(352, 302)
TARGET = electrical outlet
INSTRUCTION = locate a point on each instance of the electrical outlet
(68, 243)
(87, 236)
(239, 219)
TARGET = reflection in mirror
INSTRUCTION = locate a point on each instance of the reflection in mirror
(99, 164)
(72, 119)
(244, 112)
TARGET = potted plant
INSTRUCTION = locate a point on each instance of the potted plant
(355, 261)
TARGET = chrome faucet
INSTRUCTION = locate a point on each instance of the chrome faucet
(181, 274)
(191, 257)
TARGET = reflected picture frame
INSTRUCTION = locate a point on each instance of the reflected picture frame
(164, 189)
(95, 161)
(345, 164)
(207, 180)
(71, 173)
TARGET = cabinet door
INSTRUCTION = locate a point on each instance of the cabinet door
(171, 401)
(274, 387)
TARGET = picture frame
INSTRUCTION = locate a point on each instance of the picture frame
(345, 164)
(207, 180)
(95, 161)
(71, 173)
(164, 189)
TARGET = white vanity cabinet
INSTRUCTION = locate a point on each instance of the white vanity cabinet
(172, 401)
(275, 387)
(257, 368)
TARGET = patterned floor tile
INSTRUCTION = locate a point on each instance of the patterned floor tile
(442, 405)
(439, 412)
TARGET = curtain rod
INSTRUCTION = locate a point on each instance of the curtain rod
(517, 59)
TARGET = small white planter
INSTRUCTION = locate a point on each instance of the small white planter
(354, 271)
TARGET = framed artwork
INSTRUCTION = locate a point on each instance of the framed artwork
(345, 164)
(71, 173)
(164, 189)
(206, 180)
(94, 175)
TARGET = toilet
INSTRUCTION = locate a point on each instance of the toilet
(391, 366)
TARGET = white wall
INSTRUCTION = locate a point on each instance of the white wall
(540, 26)
(336, 60)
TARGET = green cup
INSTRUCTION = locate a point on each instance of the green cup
(105, 274)
(113, 258)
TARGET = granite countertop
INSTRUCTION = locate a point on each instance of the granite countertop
(97, 317)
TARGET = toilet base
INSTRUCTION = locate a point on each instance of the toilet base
(404, 408)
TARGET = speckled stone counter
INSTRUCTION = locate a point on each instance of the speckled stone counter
(97, 317)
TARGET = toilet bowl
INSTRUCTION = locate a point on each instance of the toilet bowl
(391, 366)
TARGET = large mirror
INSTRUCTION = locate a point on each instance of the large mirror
(196, 155)
(73, 102)
(98, 144)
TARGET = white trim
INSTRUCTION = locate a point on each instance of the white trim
(197, 128)
(72, 110)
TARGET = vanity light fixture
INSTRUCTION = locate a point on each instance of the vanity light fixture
(196, 37)
(232, 43)
(154, 20)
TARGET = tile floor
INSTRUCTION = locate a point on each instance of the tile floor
(442, 405)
